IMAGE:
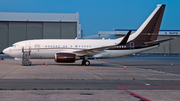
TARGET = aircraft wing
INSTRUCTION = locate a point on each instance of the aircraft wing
(157, 41)
(93, 51)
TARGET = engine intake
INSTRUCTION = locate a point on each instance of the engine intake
(65, 57)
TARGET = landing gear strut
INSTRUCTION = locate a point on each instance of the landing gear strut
(85, 61)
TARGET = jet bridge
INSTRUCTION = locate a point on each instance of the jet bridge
(26, 57)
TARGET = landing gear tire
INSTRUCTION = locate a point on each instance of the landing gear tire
(87, 63)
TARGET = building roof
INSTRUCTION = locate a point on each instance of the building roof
(53, 17)
(124, 31)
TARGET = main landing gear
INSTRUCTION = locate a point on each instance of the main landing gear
(85, 61)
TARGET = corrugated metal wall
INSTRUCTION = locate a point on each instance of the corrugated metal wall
(11, 32)
(174, 45)
(163, 48)
(4, 30)
(34, 30)
(68, 30)
(51, 30)
(17, 32)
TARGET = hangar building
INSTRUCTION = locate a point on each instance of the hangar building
(16, 27)
(169, 47)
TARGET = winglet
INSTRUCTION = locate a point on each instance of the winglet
(124, 40)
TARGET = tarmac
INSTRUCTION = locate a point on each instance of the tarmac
(137, 78)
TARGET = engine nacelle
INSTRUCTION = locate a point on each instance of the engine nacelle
(65, 57)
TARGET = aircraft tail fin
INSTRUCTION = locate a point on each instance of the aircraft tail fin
(149, 30)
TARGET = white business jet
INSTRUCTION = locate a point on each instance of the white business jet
(70, 50)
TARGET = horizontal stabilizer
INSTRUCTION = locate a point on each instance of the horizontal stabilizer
(158, 41)
(124, 40)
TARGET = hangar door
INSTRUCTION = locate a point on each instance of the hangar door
(68, 30)
(3, 35)
(14, 31)
(17, 32)
(51, 30)
(59, 30)
(34, 30)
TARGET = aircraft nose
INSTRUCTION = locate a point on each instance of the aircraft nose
(6, 51)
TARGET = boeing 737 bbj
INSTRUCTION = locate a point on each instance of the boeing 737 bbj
(70, 50)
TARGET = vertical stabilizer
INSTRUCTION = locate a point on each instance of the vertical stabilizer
(149, 30)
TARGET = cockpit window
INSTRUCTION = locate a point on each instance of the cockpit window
(14, 45)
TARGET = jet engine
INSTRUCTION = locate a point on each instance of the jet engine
(65, 57)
